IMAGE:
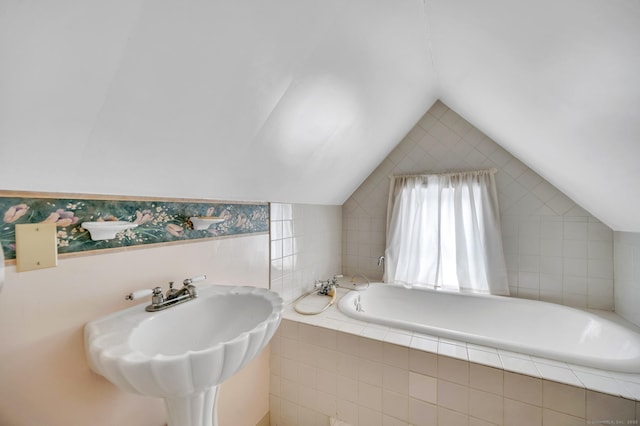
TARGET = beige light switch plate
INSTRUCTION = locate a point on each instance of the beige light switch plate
(36, 246)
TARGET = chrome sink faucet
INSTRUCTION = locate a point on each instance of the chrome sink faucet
(173, 296)
(187, 289)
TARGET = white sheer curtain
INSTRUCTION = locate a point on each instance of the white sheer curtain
(444, 231)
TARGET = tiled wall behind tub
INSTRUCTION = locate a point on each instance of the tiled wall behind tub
(305, 246)
(627, 275)
(555, 250)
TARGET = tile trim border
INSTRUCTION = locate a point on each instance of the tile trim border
(161, 221)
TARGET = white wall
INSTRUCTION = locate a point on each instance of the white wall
(44, 376)
(627, 275)
(305, 246)
(555, 250)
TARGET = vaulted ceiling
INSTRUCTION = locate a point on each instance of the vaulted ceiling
(299, 100)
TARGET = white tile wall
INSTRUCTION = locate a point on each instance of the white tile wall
(305, 246)
(318, 374)
(627, 275)
(554, 249)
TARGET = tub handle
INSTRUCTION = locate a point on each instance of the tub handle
(358, 304)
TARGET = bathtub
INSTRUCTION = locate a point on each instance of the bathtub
(531, 327)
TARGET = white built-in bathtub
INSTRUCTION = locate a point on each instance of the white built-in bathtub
(536, 328)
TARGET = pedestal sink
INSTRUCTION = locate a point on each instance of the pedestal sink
(183, 353)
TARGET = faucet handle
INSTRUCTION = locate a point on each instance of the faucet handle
(195, 279)
(139, 294)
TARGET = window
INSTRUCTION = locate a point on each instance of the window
(443, 231)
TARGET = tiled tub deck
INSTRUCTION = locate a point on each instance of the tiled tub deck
(331, 366)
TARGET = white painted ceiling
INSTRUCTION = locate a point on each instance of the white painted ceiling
(299, 100)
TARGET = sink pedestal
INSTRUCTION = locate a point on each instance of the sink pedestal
(198, 409)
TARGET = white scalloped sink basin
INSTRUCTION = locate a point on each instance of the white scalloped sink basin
(182, 353)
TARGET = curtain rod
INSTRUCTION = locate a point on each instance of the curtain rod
(492, 170)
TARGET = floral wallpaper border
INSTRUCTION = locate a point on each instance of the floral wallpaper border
(159, 221)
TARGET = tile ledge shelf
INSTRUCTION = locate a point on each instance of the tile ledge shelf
(624, 385)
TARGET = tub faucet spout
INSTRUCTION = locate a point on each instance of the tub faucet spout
(326, 286)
